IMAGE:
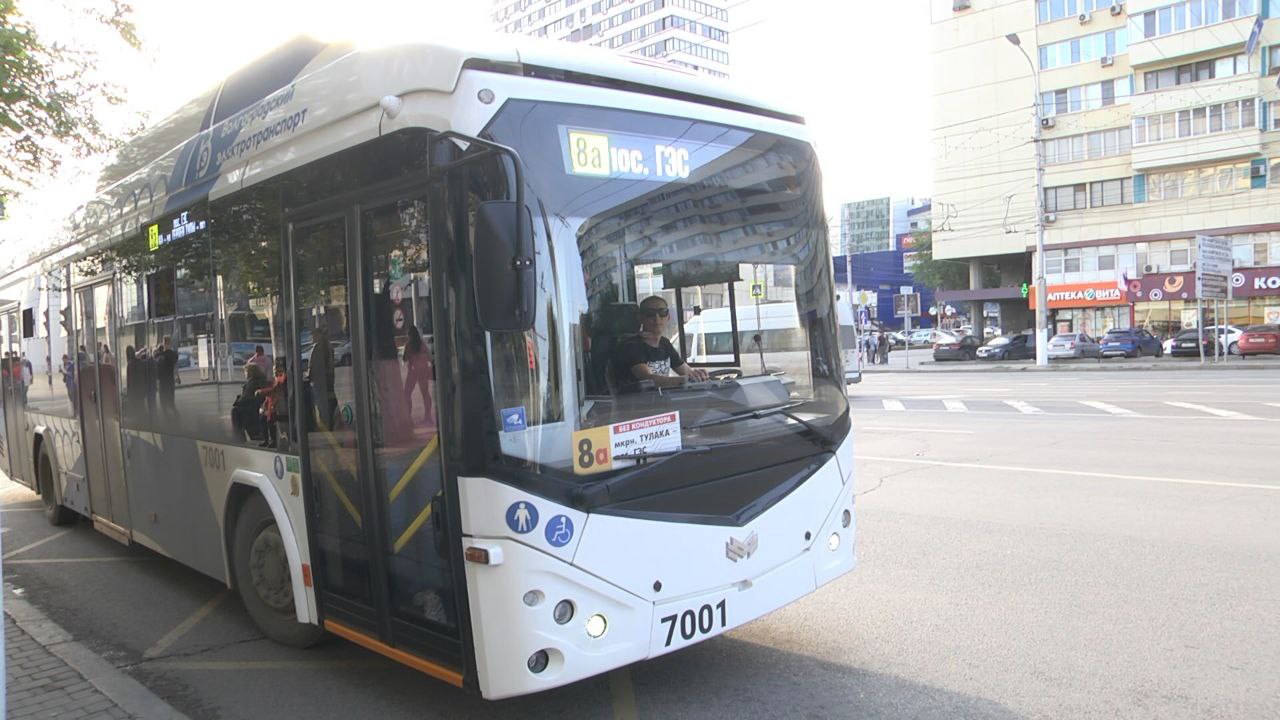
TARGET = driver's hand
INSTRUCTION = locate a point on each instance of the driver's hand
(698, 374)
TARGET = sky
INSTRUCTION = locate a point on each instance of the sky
(860, 80)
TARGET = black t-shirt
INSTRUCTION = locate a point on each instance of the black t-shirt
(661, 361)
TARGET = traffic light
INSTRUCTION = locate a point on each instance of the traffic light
(65, 321)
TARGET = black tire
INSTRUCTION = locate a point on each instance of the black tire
(55, 512)
(262, 577)
(1233, 349)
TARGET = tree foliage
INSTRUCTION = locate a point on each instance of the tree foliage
(936, 274)
(51, 94)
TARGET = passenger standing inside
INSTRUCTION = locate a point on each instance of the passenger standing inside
(134, 385)
(276, 407)
(28, 376)
(68, 370)
(320, 376)
(417, 360)
(259, 358)
(246, 410)
(166, 375)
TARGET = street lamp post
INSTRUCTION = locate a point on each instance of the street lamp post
(1042, 311)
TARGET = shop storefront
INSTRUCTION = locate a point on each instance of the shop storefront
(1165, 303)
(1090, 308)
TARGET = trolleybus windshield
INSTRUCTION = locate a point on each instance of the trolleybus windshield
(720, 226)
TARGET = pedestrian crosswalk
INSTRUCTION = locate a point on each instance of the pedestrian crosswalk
(1170, 409)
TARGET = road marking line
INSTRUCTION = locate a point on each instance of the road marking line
(53, 561)
(895, 405)
(173, 635)
(1211, 410)
(955, 406)
(1023, 407)
(263, 664)
(1272, 404)
(1107, 408)
(1077, 473)
(921, 431)
(624, 694)
(36, 544)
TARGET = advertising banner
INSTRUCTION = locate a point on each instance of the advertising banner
(1078, 295)
(1245, 282)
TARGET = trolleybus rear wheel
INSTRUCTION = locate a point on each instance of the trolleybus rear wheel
(262, 576)
(54, 512)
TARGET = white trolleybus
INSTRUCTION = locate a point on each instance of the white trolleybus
(441, 250)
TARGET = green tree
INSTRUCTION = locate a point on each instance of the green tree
(51, 94)
(933, 273)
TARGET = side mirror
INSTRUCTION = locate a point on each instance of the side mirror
(503, 266)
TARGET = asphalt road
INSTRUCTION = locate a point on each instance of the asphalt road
(1049, 545)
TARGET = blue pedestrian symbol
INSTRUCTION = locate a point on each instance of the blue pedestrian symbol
(522, 517)
(279, 468)
(559, 531)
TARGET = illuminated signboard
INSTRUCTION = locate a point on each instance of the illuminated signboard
(626, 156)
(184, 224)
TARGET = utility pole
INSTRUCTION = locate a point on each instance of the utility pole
(1042, 311)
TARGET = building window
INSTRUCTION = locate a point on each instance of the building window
(1050, 10)
(1273, 115)
(1222, 67)
(1219, 117)
(1273, 56)
(1183, 16)
(1086, 97)
(1111, 192)
(1067, 197)
(1084, 49)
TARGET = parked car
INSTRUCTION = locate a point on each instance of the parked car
(1259, 339)
(1073, 345)
(1189, 342)
(899, 339)
(1008, 347)
(956, 347)
(1233, 334)
(1130, 342)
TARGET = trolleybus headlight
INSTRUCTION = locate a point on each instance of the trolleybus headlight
(846, 517)
(563, 612)
(538, 661)
(533, 598)
(833, 542)
(596, 625)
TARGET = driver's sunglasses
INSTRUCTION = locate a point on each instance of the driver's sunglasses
(655, 312)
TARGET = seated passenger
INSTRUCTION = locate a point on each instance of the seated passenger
(650, 355)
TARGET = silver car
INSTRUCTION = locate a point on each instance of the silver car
(1073, 345)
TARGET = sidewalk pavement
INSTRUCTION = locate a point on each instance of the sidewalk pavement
(49, 675)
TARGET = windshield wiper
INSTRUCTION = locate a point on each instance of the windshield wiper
(820, 437)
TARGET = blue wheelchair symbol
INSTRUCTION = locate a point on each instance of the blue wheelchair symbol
(559, 531)
(522, 517)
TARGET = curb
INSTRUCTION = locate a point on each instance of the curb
(1083, 367)
(128, 694)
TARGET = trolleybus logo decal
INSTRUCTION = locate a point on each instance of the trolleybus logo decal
(736, 549)
(559, 531)
(522, 518)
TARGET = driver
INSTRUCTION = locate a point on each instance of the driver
(650, 355)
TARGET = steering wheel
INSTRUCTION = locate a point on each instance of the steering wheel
(725, 374)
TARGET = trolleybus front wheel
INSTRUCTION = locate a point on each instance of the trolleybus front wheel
(262, 576)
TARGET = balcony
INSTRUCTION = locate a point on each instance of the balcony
(1182, 97)
(1202, 41)
(1243, 143)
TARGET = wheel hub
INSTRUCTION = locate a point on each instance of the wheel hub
(269, 569)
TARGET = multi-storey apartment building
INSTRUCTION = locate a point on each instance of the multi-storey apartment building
(692, 34)
(1159, 121)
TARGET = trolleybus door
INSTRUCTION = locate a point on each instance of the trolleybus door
(369, 426)
(12, 399)
(97, 380)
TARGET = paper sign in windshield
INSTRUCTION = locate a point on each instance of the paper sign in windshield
(596, 449)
